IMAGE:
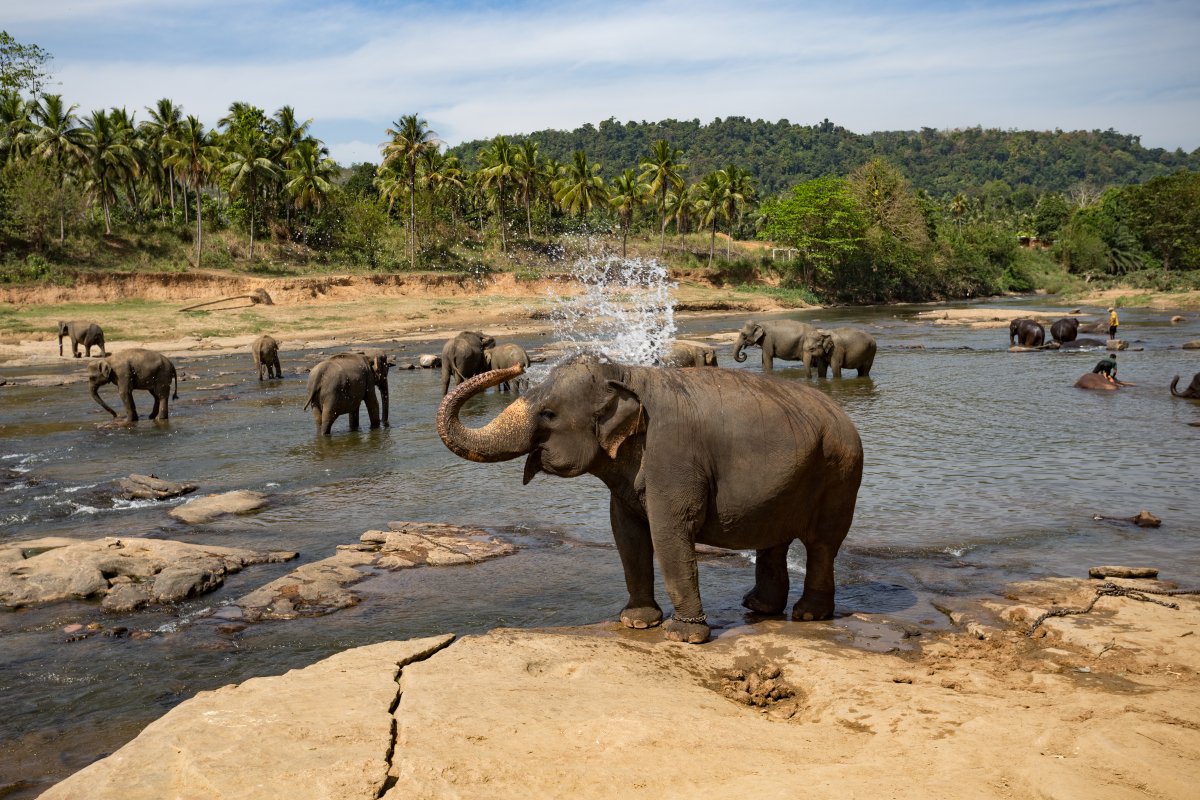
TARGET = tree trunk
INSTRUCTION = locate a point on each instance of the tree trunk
(107, 220)
(528, 218)
(412, 212)
(251, 234)
(199, 229)
(712, 243)
(503, 227)
(624, 239)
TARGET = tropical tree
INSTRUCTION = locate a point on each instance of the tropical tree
(16, 127)
(497, 174)
(166, 120)
(442, 176)
(821, 219)
(739, 195)
(664, 172)
(195, 159)
(109, 160)
(249, 170)
(581, 188)
(628, 195)
(22, 66)
(310, 177)
(410, 140)
(286, 133)
(57, 141)
(531, 179)
(712, 203)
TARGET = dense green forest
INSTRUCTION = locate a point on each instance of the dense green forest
(840, 216)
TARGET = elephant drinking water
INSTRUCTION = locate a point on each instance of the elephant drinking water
(721, 457)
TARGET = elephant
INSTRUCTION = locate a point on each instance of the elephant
(88, 334)
(719, 457)
(688, 354)
(839, 347)
(266, 357)
(462, 357)
(781, 338)
(1094, 380)
(504, 356)
(1026, 333)
(1063, 330)
(340, 383)
(1192, 391)
(135, 369)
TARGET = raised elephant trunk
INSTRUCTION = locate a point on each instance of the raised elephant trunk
(506, 437)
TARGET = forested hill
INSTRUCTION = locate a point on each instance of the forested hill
(780, 154)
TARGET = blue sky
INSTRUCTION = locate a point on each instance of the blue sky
(475, 69)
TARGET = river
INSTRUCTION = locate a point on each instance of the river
(982, 467)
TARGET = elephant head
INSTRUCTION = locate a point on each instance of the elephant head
(379, 363)
(100, 373)
(579, 415)
(818, 346)
(750, 334)
(63, 330)
(1012, 330)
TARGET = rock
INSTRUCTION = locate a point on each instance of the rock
(1192, 345)
(1175, 320)
(1122, 572)
(429, 361)
(319, 587)
(151, 487)
(207, 508)
(127, 573)
(1117, 344)
(281, 736)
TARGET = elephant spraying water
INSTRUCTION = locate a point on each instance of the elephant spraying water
(720, 457)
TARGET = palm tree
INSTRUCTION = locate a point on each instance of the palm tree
(57, 140)
(286, 133)
(16, 127)
(164, 124)
(581, 187)
(125, 130)
(958, 208)
(195, 159)
(628, 195)
(310, 174)
(739, 194)
(410, 140)
(712, 204)
(109, 159)
(679, 208)
(664, 172)
(498, 171)
(249, 170)
(443, 175)
(530, 178)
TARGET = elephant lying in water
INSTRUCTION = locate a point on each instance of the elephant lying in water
(135, 369)
(1192, 391)
(341, 383)
(720, 457)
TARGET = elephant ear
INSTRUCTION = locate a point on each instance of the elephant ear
(827, 341)
(619, 418)
(105, 370)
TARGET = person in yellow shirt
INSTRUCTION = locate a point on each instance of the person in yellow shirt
(1113, 322)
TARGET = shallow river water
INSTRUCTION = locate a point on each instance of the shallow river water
(982, 467)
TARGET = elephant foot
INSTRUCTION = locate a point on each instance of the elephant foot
(686, 631)
(641, 616)
(813, 606)
(764, 602)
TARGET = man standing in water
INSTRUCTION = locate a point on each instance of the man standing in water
(1113, 322)
(1107, 367)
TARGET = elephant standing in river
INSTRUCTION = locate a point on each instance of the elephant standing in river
(839, 348)
(720, 457)
(1064, 330)
(88, 334)
(504, 356)
(266, 357)
(1026, 332)
(341, 383)
(688, 354)
(1192, 391)
(462, 357)
(781, 338)
(135, 369)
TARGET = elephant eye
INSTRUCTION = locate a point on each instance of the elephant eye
(547, 415)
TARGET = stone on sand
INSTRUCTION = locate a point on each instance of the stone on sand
(151, 487)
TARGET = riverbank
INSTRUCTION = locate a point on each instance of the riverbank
(1101, 705)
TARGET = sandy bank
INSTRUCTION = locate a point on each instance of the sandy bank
(1099, 706)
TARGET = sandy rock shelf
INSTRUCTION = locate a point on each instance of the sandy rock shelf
(1099, 706)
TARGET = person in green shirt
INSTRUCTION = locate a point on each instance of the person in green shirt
(1107, 367)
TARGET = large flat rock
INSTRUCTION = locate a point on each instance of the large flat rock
(323, 732)
(207, 508)
(126, 572)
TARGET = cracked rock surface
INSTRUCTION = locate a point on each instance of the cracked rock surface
(127, 573)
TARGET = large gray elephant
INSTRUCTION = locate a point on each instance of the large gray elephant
(266, 357)
(690, 354)
(88, 334)
(781, 338)
(720, 457)
(343, 382)
(462, 357)
(1064, 330)
(848, 348)
(135, 369)
(1192, 391)
(1026, 332)
(503, 356)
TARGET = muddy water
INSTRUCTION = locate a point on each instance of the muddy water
(982, 467)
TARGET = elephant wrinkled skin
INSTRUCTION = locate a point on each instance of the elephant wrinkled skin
(839, 348)
(1192, 391)
(462, 357)
(689, 354)
(781, 338)
(504, 356)
(341, 383)
(88, 334)
(1063, 330)
(266, 357)
(1026, 333)
(720, 457)
(135, 369)
(1094, 380)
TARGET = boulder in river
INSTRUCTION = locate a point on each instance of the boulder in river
(151, 487)
(1122, 572)
(207, 508)
(1192, 345)
(127, 572)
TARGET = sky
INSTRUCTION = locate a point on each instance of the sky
(474, 69)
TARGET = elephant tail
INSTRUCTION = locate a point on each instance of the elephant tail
(175, 377)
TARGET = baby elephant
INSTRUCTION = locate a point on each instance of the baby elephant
(848, 348)
(687, 354)
(341, 383)
(266, 357)
(135, 369)
(87, 334)
(503, 356)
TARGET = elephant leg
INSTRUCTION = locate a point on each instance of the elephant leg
(130, 409)
(837, 368)
(75, 348)
(768, 360)
(828, 532)
(771, 581)
(672, 532)
(328, 415)
(372, 407)
(632, 535)
(157, 405)
(316, 412)
(354, 409)
(163, 410)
